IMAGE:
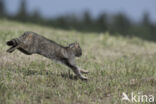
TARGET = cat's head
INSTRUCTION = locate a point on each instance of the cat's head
(76, 49)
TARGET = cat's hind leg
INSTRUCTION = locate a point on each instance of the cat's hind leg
(15, 43)
(10, 50)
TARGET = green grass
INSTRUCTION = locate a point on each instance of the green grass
(116, 64)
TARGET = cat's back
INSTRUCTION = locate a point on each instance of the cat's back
(30, 38)
(40, 42)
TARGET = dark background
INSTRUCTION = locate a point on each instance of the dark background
(93, 18)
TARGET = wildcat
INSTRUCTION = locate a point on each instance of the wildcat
(32, 43)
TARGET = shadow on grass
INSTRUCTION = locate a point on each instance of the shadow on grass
(37, 72)
(69, 76)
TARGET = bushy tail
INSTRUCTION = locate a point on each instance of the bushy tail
(13, 42)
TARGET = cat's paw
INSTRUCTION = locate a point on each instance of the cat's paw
(84, 71)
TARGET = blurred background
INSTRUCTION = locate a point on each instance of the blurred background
(119, 17)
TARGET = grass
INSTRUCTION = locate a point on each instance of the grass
(116, 65)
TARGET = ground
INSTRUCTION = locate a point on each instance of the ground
(116, 64)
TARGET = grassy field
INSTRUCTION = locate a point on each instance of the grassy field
(116, 65)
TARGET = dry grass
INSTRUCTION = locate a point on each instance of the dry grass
(116, 65)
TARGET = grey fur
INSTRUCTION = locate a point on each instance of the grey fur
(32, 43)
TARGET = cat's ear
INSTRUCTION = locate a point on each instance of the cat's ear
(76, 44)
(72, 45)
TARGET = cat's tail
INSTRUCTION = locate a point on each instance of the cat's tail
(14, 43)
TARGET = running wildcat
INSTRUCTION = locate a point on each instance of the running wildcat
(32, 43)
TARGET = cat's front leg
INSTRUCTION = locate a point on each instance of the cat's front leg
(83, 71)
(75, 69)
